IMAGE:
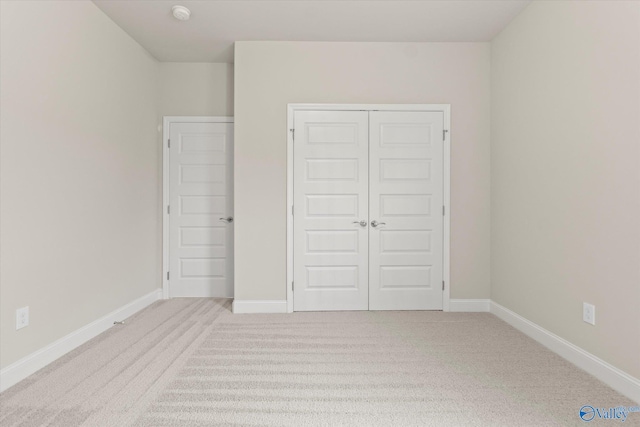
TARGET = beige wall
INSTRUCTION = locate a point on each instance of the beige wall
(268, 75)
(79, 177)
(565, 173)
(196, 89)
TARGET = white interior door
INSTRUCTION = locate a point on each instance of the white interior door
(201, 210)
(330, 201)
(368, 224)
(406, 200)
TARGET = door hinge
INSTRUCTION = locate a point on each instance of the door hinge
(291, 210)
(168, 209)
(293, 135)
(168, 143)
(292, 286)
(443, 210)
(443, 285)
(444, 134)
(167, 275)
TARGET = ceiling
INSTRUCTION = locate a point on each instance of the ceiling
(216, 24)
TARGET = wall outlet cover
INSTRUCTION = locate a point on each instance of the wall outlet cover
(22, 317)
(589, 313)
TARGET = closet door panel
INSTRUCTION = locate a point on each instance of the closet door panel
(406, 199)
(330, 199)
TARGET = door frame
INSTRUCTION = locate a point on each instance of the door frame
(167, 121)
(438, 108)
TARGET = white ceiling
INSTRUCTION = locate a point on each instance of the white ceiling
(215, 24)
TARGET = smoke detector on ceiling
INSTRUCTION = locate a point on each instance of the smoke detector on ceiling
(181, 13)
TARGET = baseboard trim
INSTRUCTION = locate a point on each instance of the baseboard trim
(470, 305)
(608, 374)
(259, 306)
(28, 365)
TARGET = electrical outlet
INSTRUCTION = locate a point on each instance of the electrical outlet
(589, 313)
(22, 317)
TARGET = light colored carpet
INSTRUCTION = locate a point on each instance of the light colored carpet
(190, 362)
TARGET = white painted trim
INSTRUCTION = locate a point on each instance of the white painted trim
(371, 107)
(445, 109)
(289, 277)
(197, 119)
(470, 305)
(28, 365)
(608, 374)
(446, 238)
(259, 306)
(166, 121)
(166, 128)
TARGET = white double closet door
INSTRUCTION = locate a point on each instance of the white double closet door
(368, 210)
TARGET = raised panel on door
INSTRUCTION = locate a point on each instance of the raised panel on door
(330, 198)
(406, 198)
(201, 192)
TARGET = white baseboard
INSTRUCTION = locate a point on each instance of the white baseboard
(470, 305)
(259, 306)
(608, 374)
(28, 365)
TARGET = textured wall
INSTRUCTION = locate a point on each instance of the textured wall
(79, 177)
(565, 173)
(196, 89)
(268, 75)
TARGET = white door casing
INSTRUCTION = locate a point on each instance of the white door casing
(407, 159)
(405, 199)
(330, 201)
(199, 247)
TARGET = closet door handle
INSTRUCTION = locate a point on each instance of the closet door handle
(362, 223)
(228, 220)
(375, 223)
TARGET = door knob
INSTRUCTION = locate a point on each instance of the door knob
(228, 220)
(362, 223)
(375, 223)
